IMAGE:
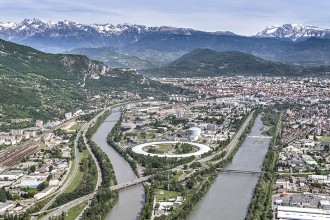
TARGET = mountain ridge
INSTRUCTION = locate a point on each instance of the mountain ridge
(44, 86)
(35, 32)
(209, 63)
(294, 32)
(162, 45)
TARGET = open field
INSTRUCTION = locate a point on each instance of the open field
(74, 212)
(76, 127)
(325, 138)
(171, 148)
(165, 195)
(78, 178)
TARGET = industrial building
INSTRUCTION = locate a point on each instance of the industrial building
(286, 212)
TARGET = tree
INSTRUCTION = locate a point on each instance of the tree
(3, 197)
(51, 167)
(190, 184)
(42, 185)
(33, 168)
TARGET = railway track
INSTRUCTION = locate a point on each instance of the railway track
(15, 155)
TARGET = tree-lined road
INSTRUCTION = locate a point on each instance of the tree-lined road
(82, 131)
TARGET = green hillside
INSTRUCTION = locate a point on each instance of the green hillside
(44, 86)
(206, 62)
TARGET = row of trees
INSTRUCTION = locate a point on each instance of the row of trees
(260, 206)
(86, 186)
(105, 198)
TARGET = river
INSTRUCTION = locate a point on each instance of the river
(230, 194)
(131, 200)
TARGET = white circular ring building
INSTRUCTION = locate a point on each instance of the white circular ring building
(201, 149)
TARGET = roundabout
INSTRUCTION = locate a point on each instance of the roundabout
(140, 149)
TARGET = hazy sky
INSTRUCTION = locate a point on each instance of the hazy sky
(240, 16)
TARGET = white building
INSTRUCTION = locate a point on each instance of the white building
(30, 183)
(11, 175)
(68, 115)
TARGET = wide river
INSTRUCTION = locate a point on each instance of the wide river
(131, 200)
(230, 194)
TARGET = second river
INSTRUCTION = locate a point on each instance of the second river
(230, 194)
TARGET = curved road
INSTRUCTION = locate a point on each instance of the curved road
(201, 149)
(82, 130)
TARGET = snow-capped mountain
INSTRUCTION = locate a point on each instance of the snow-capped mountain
(295, 32)
(67, 34)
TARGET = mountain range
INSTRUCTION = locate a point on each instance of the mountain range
(295, 32)
(68, 35)
(119, 45)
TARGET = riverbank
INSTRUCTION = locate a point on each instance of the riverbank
(105, 199)
(260, 206)
(230, 194)
(205, 178)
(132, 197)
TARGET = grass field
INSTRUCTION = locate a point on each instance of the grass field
(76, 127)
(166, 195)
(325, 138)
(161, 149)
(75, 182)
(170, 148)
(178, 175)
(74, 212)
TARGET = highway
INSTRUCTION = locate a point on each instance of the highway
(72, 176)
(83, 130)
(99, 172)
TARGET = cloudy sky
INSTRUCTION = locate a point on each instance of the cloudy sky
(240, 16)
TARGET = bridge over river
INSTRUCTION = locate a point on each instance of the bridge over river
(261, 137)
(58, 210)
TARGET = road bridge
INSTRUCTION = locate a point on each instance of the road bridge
(261, 137)
(239, 171)
(58, 211)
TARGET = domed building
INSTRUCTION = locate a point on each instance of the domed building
(194, 133)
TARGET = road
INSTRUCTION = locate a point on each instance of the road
(83, 130)
(99, 172)
(72, 176)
